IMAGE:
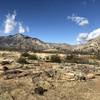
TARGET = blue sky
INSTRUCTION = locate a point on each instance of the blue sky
(59, 21)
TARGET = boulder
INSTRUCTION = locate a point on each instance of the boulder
(90, 76)
(68, 76)
(80, 76)
(40, 90)
(6, 62)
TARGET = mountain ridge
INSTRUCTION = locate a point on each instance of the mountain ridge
(23, 42)
(92, 46)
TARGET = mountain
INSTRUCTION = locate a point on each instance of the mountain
(92, 46)
(22, 42)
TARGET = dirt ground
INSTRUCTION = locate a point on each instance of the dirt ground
(48, 81)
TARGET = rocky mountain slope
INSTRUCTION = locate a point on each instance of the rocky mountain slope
(92, 46)
(22, 42)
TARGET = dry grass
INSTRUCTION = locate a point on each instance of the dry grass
(58, 88)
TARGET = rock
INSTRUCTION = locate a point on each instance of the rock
(68, 76)
(80, 76)
(5, 68)
(51, 73)
(90, 76)
(11, 74)
(40, 90)
(5, 62)
(36, 77)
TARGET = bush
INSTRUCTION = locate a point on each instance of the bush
(5, 62)
(47, 58)
(33, 57)
(69, 57)
(55, 58)
(22, 61)
(25, 54)
(72, 58)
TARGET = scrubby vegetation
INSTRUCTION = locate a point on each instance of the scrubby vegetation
(28, 78)
(29, 56)
(55, 58)
(22, 60)
(5, 62)
(25, 54)
(47, 58)
(33, 57)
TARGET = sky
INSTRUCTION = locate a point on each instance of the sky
(58, 21)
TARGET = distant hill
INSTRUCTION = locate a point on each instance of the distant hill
(92, 46)
(22, 42)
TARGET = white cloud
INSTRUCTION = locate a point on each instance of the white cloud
(10, 23)
(22, 28)
(81, 21)
(94, 34)
(84, 37)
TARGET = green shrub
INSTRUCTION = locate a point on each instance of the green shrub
(25, 54)
(33, 57)
(47, 58)
(69, 57)
(55, 58)
(22, 60)
(5, 62)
